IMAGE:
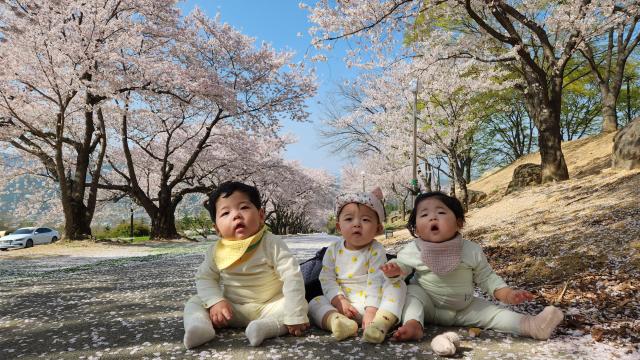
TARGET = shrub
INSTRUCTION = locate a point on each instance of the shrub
(331, 225)
(124, 230)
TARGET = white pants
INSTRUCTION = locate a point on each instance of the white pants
(243, 314)
(393, 297)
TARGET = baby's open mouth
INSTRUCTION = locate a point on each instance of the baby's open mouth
(239, 227)
(434, 227)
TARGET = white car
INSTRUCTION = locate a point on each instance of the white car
(27, 237)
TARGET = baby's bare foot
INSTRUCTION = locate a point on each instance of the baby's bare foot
(411, 331)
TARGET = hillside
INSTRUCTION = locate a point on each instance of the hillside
(574, 243)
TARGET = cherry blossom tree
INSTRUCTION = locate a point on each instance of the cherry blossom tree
(79, 77)
(296, 199)
(534, 39)
(450, 108)
(60, 62)
(169, 156)
(223, 125)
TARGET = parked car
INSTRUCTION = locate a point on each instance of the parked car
(27, 237)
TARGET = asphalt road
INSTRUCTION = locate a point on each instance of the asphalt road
(131, 308)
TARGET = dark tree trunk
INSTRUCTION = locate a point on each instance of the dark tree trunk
(73, 189)
(404, 206)
(163, 224)
(452, 175)
(544, 104)
(554, 167)
(459, 180)
(77, 223)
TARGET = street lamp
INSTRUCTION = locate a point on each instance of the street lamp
(414, 157)
(362, 173)
(131, 223)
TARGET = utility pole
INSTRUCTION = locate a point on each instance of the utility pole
(363, 188)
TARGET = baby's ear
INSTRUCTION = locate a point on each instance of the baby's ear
(377, 192)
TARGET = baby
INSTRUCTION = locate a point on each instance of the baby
(446, 269)
(354, 289)
(248, 278)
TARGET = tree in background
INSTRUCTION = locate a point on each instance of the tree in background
(60, 63)
(629, 101)
(535, 39)
(505, 135)
(296, 199)
(607, 56)
(135, 77)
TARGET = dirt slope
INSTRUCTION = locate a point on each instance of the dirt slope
(575, 242)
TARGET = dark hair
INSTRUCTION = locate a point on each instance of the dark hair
(226, 189)
(449, 201)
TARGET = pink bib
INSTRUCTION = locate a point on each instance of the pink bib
(442, 257)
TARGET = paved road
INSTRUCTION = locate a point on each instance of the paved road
(130, 308)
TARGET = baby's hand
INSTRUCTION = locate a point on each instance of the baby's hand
(298, 329)
(391, 270)
(344, 306)
(220, 314)
(369, 314)
(517, 296)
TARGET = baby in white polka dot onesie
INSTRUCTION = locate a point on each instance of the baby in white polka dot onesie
(355, 290)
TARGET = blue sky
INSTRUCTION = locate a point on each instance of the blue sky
(279, 22)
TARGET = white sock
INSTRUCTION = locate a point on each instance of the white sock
(258, 330)
(445, 344)
(198, 328)
(541, 326)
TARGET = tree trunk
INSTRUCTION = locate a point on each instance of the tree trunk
(77, 225)
(461, 184)
(163, 224)
(404, 207)
(428, 179)
(609, 115)
(545, 109)
(554, 168)
(452, 175)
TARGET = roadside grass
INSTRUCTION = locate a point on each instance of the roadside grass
(396, 225)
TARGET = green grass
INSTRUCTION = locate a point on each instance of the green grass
(397, 225)
(140, 239)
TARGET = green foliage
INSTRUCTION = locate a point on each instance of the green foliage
(124, 230)
(331, 225)
(390, 207)
(422, 29)
(581, 103)
(505, 135)
(628, 105)
(201, 223)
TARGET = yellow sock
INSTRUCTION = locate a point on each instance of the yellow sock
(341, 326)
(377, 330)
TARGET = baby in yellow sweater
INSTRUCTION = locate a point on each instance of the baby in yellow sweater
(248, 277)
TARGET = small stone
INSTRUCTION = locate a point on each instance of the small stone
(474, 332)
